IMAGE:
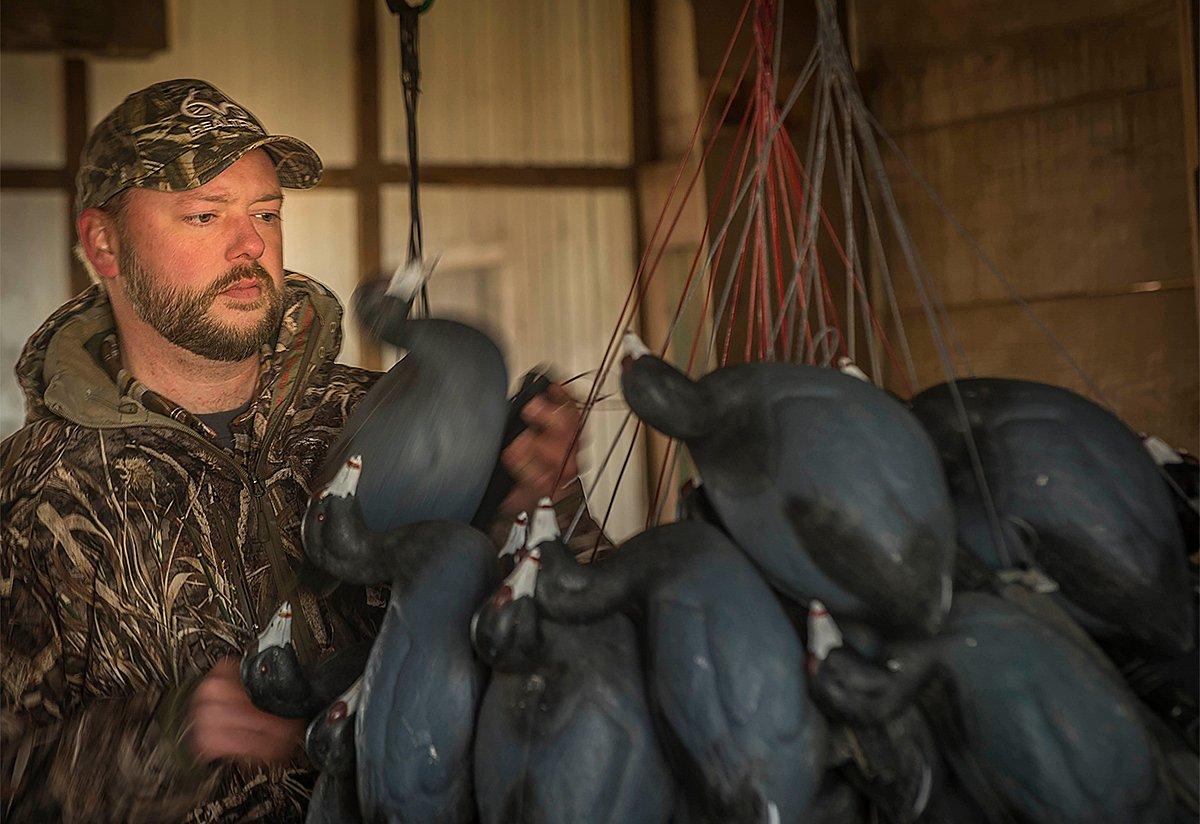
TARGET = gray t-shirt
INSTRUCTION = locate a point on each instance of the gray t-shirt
(219, 422)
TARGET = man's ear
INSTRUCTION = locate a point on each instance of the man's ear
(99, 241)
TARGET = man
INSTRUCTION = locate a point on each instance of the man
(151, 505)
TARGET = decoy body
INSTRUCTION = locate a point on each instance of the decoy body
(277, 682)
(432, 425)
(827, 483)
(565, 733)
(1035, 728)
(1076, 494)
(724, 665)
(329, 742)
(422, 685)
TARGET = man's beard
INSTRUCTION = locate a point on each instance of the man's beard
(182, 317)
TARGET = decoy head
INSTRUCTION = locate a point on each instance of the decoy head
(505, 629)
(662, 396)
(383, 304)
(561, 580)
(334, 533)
(329, 740)
(849, 687)
(271, 672)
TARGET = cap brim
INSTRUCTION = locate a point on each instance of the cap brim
(296, 163)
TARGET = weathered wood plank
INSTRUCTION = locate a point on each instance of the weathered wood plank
(1127, 54)
(1076, 198)
(928, 25)
(1140, 350)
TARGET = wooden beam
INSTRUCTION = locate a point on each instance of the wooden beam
(1142, 287)
(75, 113)
(365, 176)
(14, 178)
(588, 177)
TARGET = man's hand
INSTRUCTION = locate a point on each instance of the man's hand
(224, 724)
(535, 457)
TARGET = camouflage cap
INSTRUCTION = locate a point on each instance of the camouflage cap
(177, 135)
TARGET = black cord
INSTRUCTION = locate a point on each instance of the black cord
(410, 80)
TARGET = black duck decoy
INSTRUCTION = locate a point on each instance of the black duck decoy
(565, 733)
(1036, 728)
(422, 685)
(329, 742)
(276, 681)
(725, 667)
(432, 425)
(828, 484)
(1076, 494)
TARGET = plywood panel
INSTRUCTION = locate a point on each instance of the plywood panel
(319, 241)
(1066, 199)
(1129, 54)
(1139, 349)
(514, 82)
(553, 267)
(288, 61)
(34, 280)
(31, 105)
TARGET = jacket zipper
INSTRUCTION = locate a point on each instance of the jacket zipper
(253, 481)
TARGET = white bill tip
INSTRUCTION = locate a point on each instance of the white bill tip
(522, 581)
(516, 536)
(345, 482)
(410, 277)
(279, 630)
(352, 696)
(633, 347)
(545, 524)
(823, 632)
(848, 367)
(1161, 451)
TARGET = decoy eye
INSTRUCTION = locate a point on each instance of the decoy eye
(337, 712)
(320, 516)
(263, 669)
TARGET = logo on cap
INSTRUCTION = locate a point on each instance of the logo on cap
(223, 115)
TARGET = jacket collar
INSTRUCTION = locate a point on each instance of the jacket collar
(61, 375)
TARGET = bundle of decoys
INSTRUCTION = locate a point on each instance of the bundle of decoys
(853, 619)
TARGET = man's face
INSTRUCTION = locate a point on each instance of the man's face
(204, 267)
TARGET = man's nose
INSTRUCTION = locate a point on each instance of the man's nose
(246, 243)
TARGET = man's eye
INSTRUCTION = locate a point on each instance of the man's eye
(270, 217)
(201, 219)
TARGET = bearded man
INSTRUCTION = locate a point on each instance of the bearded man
(176, 413)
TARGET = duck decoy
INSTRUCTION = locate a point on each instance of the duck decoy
(432, 424)
(422, 685)
(1034, 726)
(724, 666)
(276, 681)
(565, 733)
(329, 742)
(828, 484)
(1075, 494)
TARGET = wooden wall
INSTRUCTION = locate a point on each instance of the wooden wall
(1055, 132)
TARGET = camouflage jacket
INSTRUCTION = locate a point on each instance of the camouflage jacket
(137, 552)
